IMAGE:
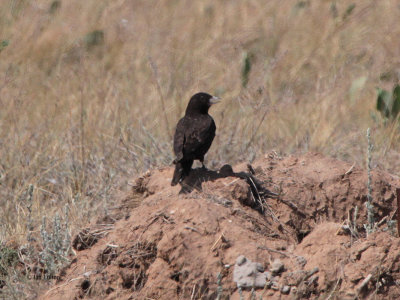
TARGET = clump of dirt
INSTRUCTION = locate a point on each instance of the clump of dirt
(308, 242)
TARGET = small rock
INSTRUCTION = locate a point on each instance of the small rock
(87, 274)
(227, 266)
(285, 289)
(260, 281)
(275, 286)
(293, 278)
(250, 270)
(240, 260)
(247, 274)
(277, 267)
(268, 285)
(313, 279)
(268, 275)
(301, 261)
(260, 267)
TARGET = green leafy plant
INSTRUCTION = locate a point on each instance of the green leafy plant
(8, 259)
(94, 38)
(4, 44)
(349, 11)
(246, 67)
(388, 104)
(54, 6)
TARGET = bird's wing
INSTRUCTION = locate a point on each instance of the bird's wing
(199, 136)
(179, 139)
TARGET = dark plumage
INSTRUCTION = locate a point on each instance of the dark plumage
(194, 135)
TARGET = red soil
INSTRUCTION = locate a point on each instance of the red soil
(163, 245)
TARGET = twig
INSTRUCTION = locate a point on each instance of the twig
(364, 283)
(349, 170)
(64, 284)
(82, 137)
(192, 229)
(382, 221)
(340, 227)
(308, 275)
(334, 288)
(232, 182)
(398, 210)
(193, 292)
(251, 169)
(272, 250)
(216, 242)
(263, 204)
(355, 219)
(257, 193)
(370, 227)
(294, 207)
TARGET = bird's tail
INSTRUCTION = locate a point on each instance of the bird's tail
(182, 169)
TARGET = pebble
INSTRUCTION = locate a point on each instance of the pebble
(277, 267)
(285, 289)
(248, 274)
(260, 267)
(301, 261)
(241, 260)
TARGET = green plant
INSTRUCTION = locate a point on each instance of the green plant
(54, 6)
(370, 227)
(246, 68)
(56, 244)
(8, 259)
(219, 286)
(388, 104)
(94, 38)
(349, 10)
(4, 44)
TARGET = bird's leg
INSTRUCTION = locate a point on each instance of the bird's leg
(202, 163)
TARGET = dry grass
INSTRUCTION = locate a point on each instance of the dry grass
(78, 120)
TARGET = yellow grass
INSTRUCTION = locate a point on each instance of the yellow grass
(78, 121)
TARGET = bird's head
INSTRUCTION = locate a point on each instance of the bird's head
(200, 103)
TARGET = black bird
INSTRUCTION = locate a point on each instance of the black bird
(194, 135)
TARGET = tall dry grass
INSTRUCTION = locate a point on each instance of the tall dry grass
(79, 117)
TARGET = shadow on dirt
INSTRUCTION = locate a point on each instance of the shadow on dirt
(257, 192)
(197, 177)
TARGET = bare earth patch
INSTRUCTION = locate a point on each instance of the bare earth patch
(187, 246)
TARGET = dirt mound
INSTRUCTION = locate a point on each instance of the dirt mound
(217, 244)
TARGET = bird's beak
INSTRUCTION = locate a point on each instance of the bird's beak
(214, 100)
